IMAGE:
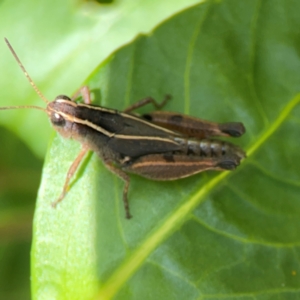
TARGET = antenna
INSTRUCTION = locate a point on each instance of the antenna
(28, 77)
(23, 106)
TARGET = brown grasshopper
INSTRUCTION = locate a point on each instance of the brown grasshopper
(158, 145)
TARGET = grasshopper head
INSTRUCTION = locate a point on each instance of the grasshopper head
(61, 113)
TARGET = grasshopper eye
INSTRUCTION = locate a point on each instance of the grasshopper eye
(62, 97)
(57, 119)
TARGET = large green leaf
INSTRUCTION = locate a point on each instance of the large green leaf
(215, 235)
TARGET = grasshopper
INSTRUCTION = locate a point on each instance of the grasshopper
(158, 145)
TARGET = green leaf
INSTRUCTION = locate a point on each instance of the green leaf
(214, 235)
(60, 43)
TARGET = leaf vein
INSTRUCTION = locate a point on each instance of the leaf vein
(188, 63)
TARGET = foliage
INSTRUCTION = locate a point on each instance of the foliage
(215, 235)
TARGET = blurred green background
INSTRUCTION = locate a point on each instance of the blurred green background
(19, 179)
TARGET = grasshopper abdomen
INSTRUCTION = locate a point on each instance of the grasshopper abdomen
(208, 148)
(194, 156)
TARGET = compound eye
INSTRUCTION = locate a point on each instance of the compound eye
(57, 119)
(62, 97)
